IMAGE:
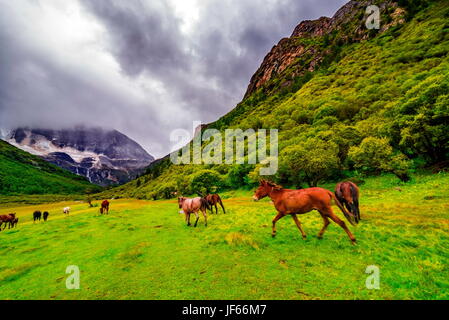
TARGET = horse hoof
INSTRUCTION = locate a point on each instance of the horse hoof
(354, 242)
(304, 237)
(273, 235)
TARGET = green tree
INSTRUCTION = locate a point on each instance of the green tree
(206, 181)
(312, 161)
(419, 125)
(238, 175)
(375, 155)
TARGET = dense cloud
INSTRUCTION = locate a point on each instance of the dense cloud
(142, 67)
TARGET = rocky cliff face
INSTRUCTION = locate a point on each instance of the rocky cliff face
(104, 157)
(312, 41)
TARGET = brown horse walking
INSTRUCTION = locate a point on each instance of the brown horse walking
(104, 207)
(212, 200)
(293, 202)
(348, 194)
(190, 206)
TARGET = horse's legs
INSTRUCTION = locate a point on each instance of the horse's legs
(222, 206)
(188, 218)
(273, 231)
(197, 217)
(205, 217)
(326, 223)
(341, 223)
(216, 208)
(298, 224)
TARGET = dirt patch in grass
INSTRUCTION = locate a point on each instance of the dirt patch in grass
(240, 240)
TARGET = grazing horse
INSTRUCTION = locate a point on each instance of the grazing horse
(37, 216)
(104, 207)
(293, 202)
(45, 215)
(7, 219)
(66, 210)
(212, 200)
(190, 206)
(348, 194)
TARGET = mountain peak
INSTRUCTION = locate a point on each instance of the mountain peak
(313, 40)
(104, 156)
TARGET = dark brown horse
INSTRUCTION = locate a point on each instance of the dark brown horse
(8, 219)
(293, 202)
(193, 205)
(212, 200)
(348, 194)
(37, 216)
(104, 207)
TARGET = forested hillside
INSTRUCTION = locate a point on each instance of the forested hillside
(353, 102)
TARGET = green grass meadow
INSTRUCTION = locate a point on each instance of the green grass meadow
(144, 250)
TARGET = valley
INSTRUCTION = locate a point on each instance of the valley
(144, 250)
(346, 103)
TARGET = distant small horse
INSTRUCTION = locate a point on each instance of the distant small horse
(190, 206)
(348, 194)
(37, 216)
(212, 200)
(45, 215)
(66, 210)
(8, 219)
(104, 207)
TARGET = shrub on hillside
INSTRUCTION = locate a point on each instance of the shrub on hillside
(206, 181)
(312, 162)
(375, 155)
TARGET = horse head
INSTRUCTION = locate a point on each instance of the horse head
(264, 189)
(181, 201)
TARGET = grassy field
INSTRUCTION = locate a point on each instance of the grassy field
(143, 250)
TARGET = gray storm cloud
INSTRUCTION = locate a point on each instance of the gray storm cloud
(134, 65)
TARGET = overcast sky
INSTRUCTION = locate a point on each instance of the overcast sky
(142, 67)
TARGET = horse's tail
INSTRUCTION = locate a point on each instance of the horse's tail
(221, 203)
(348, 215)
(204, 204)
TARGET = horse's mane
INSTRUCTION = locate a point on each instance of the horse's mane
(272, 184)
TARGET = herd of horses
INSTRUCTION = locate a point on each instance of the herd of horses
(190, 206)
(10, 220)
(286, 202)
(290, 202)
